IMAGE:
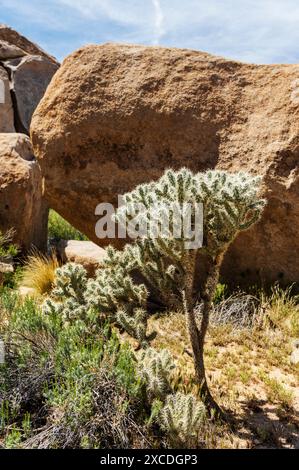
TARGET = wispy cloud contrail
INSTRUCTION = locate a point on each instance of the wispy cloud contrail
(159, 21)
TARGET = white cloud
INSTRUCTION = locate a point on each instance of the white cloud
(159, 21)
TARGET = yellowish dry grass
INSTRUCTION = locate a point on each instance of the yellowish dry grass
(38, 273)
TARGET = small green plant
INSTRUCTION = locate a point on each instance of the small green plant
(8, 250)
(60, 229)
(13, 439)
(220, 293)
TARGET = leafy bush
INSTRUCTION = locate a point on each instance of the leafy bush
(8, 250)
(65, 386)
(60, 229)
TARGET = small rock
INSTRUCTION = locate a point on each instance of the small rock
(88, 254)
(26, 291)
(10, 51)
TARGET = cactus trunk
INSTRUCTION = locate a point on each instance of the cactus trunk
(197, 335)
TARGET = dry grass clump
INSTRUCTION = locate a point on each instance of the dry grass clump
(38, 273)
(240, 310)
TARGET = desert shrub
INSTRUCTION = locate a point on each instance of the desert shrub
(66, 385)
(60, 229)
(281, 309)
(38, 273)
(240, 310)
(8, 249)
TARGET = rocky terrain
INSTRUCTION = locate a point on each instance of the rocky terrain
(25, 72)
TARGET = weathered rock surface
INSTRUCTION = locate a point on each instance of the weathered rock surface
(10, 51)
(30, 77)
(21, 203)
(118, 115)
(6, 108)
(90, 255)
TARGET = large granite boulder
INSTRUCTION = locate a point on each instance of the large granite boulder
(21, 204)
(118, 115)
(28, 71)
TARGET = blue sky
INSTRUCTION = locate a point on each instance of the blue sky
(261, 31)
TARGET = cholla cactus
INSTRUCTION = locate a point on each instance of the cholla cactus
(181, 418)
(115, 294)
(68, 310)
(113, 288)
(231, 204)
(70, 282)
(166, 259)
(67, 299)
(134, 323)
(155, 368)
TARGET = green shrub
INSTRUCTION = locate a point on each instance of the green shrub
(59, 228)
(8, 250)
(73, 382)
